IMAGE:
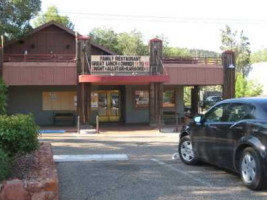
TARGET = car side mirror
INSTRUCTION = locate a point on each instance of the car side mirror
(198, 119)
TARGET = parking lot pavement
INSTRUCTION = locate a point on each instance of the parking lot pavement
(150, 172)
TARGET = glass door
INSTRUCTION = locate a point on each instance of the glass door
(109, 105)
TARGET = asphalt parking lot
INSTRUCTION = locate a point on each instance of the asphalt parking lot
(150, 172)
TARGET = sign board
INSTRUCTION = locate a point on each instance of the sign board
(119, 63)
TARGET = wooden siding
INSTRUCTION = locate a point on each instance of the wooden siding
(39, 73)
(49, 40)
(194, 74)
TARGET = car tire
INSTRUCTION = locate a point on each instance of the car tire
(251, 169)
(186, 152)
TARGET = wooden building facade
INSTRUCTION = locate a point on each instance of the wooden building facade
(50, 72)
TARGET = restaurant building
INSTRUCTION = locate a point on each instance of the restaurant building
(54, 72)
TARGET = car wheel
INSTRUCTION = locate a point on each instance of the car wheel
(186, 152)
(251, 169)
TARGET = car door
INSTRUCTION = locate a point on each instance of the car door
(204, 132)
(229, 131)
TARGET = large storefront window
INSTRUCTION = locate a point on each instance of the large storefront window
(141, 98)
(169, 99)
(60, 101)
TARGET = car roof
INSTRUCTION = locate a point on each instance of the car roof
(252, 100)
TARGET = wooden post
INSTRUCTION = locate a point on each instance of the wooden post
(155, 89)
(1, 56)
(152, 104)
(228, 61)
(194, 100)
(155, 51)
(83, 51)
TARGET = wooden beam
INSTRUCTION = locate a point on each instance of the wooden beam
(83, 55)
(194, 99)
(228, 61)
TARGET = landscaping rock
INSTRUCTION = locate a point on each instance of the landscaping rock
(41, 182)
(14, 190)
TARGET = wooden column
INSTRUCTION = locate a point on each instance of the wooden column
(155, 51)
(152, 104)
(83, 55)
(155, 89)
(228, 61)
(194, 100)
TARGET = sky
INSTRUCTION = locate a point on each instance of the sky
(185, 23)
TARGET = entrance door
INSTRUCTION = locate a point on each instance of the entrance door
(109, 108)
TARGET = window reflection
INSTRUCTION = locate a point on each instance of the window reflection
(141, 98)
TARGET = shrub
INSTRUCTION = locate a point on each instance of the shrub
(5, 165)
(18, 134)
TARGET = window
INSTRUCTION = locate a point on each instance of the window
(141, 98)
(238, 111)
(216, 114)
(60, 101)
(169, 99)
(94, 100)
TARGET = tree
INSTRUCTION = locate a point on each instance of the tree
(15, 16)
(132, 43)
(259, 56)
(107, 38)
(245, 88)
(237, 42)
(52, 14)
(3, 97)
(121, 43)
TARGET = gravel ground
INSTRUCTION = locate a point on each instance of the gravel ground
(150, 173)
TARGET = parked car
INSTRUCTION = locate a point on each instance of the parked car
(232, 135)
(211, 100)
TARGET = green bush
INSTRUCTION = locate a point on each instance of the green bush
(5, 165)
(18, 134)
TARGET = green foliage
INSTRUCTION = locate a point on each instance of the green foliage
(132, 43)
(122, 43)
(240, 44)
(187, 96)
(107, 38)
(18, 134)
(172, 52)
(15, 16)
(259, 56)
(3, 97)
(5, 165)
(247, 88)
(52, 14)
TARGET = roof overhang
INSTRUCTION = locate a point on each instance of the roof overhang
(123, 80)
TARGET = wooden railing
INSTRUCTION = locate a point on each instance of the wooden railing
(39, 58)
(194, 60)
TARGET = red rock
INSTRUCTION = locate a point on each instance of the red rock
(50, 185)
(14, 190)
(39, 196)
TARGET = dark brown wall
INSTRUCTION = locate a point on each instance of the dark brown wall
(49, 39)
(46, 40)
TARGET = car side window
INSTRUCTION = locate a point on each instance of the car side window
(216, 114)
(239, 111)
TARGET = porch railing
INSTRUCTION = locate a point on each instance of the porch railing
(39, 57)
(194, 60)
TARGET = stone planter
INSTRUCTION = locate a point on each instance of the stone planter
(43, 187)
